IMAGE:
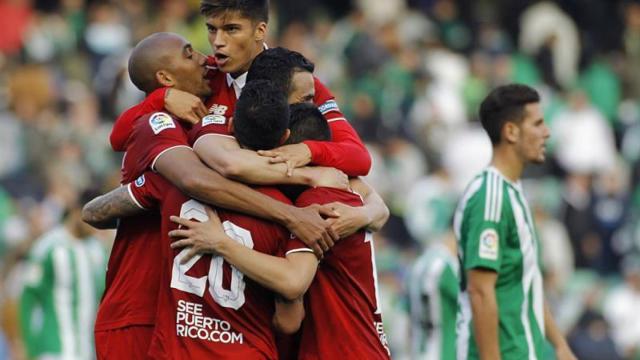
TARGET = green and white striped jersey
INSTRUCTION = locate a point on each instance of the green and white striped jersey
(63, 284)
(495, 230)
(433, 304)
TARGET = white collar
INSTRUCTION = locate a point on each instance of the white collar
(240, 81)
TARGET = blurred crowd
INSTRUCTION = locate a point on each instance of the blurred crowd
(409, 75)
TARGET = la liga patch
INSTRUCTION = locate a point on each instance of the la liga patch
(161, 121)
(489, 245)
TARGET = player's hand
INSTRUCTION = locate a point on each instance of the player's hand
(350, 219)
(201, 237)
(565, 353)
(294, 156)
(184, 105)
(328, 177)
(309, 225)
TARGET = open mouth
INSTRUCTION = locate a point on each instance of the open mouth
(221, 59)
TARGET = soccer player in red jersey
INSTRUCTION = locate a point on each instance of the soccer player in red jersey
(237, 30)
(230, 318)
(343, 317)
(159, 142)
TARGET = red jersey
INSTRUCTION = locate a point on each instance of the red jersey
(207, 308)
(345, 152)
(343, 318)
(133, 273)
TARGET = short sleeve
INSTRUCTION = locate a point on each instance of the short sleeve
(484, 237)
(294, 245)
(154, 135)
(218, 122)
(148, 189)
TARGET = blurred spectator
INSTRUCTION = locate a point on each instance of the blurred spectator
(621, 309)
(590, 340)
(550, 35)
(433, 299)
(64, 281)
(584, 141)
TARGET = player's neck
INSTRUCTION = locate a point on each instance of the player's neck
(507, 162)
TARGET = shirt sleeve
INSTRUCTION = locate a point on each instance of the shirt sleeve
(210, 125)
(155, 135)
(346, 151)
(124, 124)
(484, 239)
(148, 190)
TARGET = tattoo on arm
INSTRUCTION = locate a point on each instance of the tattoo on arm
(104, 211)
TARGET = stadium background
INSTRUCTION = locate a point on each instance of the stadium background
(409, 74)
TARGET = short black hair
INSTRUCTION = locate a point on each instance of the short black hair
(256, 10)
(307, 123)
(505, 103)
(278, 66)
(261, 116)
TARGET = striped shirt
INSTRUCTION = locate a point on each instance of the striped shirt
(495, 231)
(63, 284)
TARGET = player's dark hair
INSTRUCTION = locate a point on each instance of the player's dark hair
(278, 65)
(307, 123)
(256, 10)
(261, 116)
(505, 103)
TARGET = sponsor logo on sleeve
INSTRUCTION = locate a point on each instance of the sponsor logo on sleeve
(140, 181)
(328, 106)
(161, 121)
(213, 119)
(488, 245)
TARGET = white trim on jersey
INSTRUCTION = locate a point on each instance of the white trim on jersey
(292, 251)
(86, 298)
(62, 294)
(463, 322)
(432, 283)
(211, 134)
(493, 200)
(336, 119)
(472, 189)
(530, 271)
(133, 197)
(153, 164)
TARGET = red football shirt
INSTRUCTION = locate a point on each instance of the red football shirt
(207, 308)
(345, 152)
(133, 273)
(343, 318)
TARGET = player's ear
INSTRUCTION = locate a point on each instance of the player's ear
(285, 136)
(510, 132)
(165, 78)
(260, 33)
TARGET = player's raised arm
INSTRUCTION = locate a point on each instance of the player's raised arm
(372, 215)
(345, 151)
(224, 154)
(183, 105)
(104, 211)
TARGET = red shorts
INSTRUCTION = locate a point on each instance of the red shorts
(131, 342)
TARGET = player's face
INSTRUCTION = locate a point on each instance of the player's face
(302, 88)
(188, 68)
(235, 41)
(533, 135)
